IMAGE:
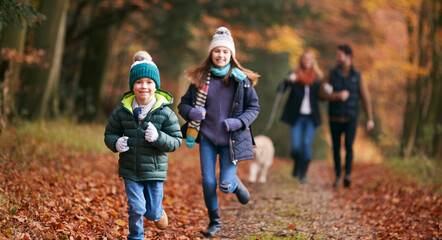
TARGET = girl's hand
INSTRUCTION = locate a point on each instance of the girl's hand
(232, 124)
(198, 113)
(151, 133)
(121, 144)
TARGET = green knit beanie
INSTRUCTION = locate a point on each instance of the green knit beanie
(143, 68)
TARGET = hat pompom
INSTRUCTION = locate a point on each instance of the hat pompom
(141, 55)
(222, 31)
(143, 66)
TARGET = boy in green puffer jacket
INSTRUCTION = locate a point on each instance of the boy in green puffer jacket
(142, 129)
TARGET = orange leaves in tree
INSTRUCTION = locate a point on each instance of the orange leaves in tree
(285, 40)
(30, 57)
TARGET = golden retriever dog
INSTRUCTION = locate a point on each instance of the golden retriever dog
(264, 153)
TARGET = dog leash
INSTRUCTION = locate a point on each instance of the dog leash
(274, 108)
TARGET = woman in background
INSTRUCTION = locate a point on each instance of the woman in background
(301, 111)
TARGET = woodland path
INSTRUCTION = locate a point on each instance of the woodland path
(79, 196)
(285, 208)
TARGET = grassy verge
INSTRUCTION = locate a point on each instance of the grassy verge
(34, 137)
(419, 169)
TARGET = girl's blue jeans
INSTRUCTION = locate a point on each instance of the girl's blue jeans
(227, 172)
(302, 137)
(144, 199)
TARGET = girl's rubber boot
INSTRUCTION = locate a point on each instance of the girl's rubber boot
(214, 225)
(241, 192)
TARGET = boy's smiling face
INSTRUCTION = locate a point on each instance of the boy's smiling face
(144, 89)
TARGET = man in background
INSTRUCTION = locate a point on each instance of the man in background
(348, 89)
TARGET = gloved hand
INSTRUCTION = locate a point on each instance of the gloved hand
(151, 133)
(121, 144)
(232, 124)
(198, 113)
(328, 88)
(291, 77)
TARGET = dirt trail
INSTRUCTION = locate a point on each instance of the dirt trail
(283, 207)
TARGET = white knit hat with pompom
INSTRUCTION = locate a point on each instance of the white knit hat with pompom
(222, 38)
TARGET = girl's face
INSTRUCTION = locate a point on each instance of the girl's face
(144, 88)
(307, 61)
(221, 56)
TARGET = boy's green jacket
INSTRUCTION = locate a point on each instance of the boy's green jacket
(144, 161)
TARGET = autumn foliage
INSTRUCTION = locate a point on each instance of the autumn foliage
(397, 208)
(51, 190)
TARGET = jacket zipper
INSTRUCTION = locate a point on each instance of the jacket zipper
(234, 161)
(155, 161)
(136, 147)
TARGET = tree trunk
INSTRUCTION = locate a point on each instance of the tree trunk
(422, 124)
(436, 77)
(100, 35)
(95, 66)
(14, 39)
(51, 96)
(412, 113)
(41, 84)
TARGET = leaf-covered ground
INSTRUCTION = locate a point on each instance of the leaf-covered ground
(52, 192)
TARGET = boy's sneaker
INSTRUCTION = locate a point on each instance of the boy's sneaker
(163, 222)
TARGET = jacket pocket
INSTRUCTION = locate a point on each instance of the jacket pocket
(243, 145)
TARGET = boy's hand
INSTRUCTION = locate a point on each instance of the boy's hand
(121, 144)
(151, 133)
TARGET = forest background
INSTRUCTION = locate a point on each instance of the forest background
(70, 58)
(64, 65)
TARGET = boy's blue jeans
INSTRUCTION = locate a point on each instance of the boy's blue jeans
(228, 183)
(302, 137)
(143, 199)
